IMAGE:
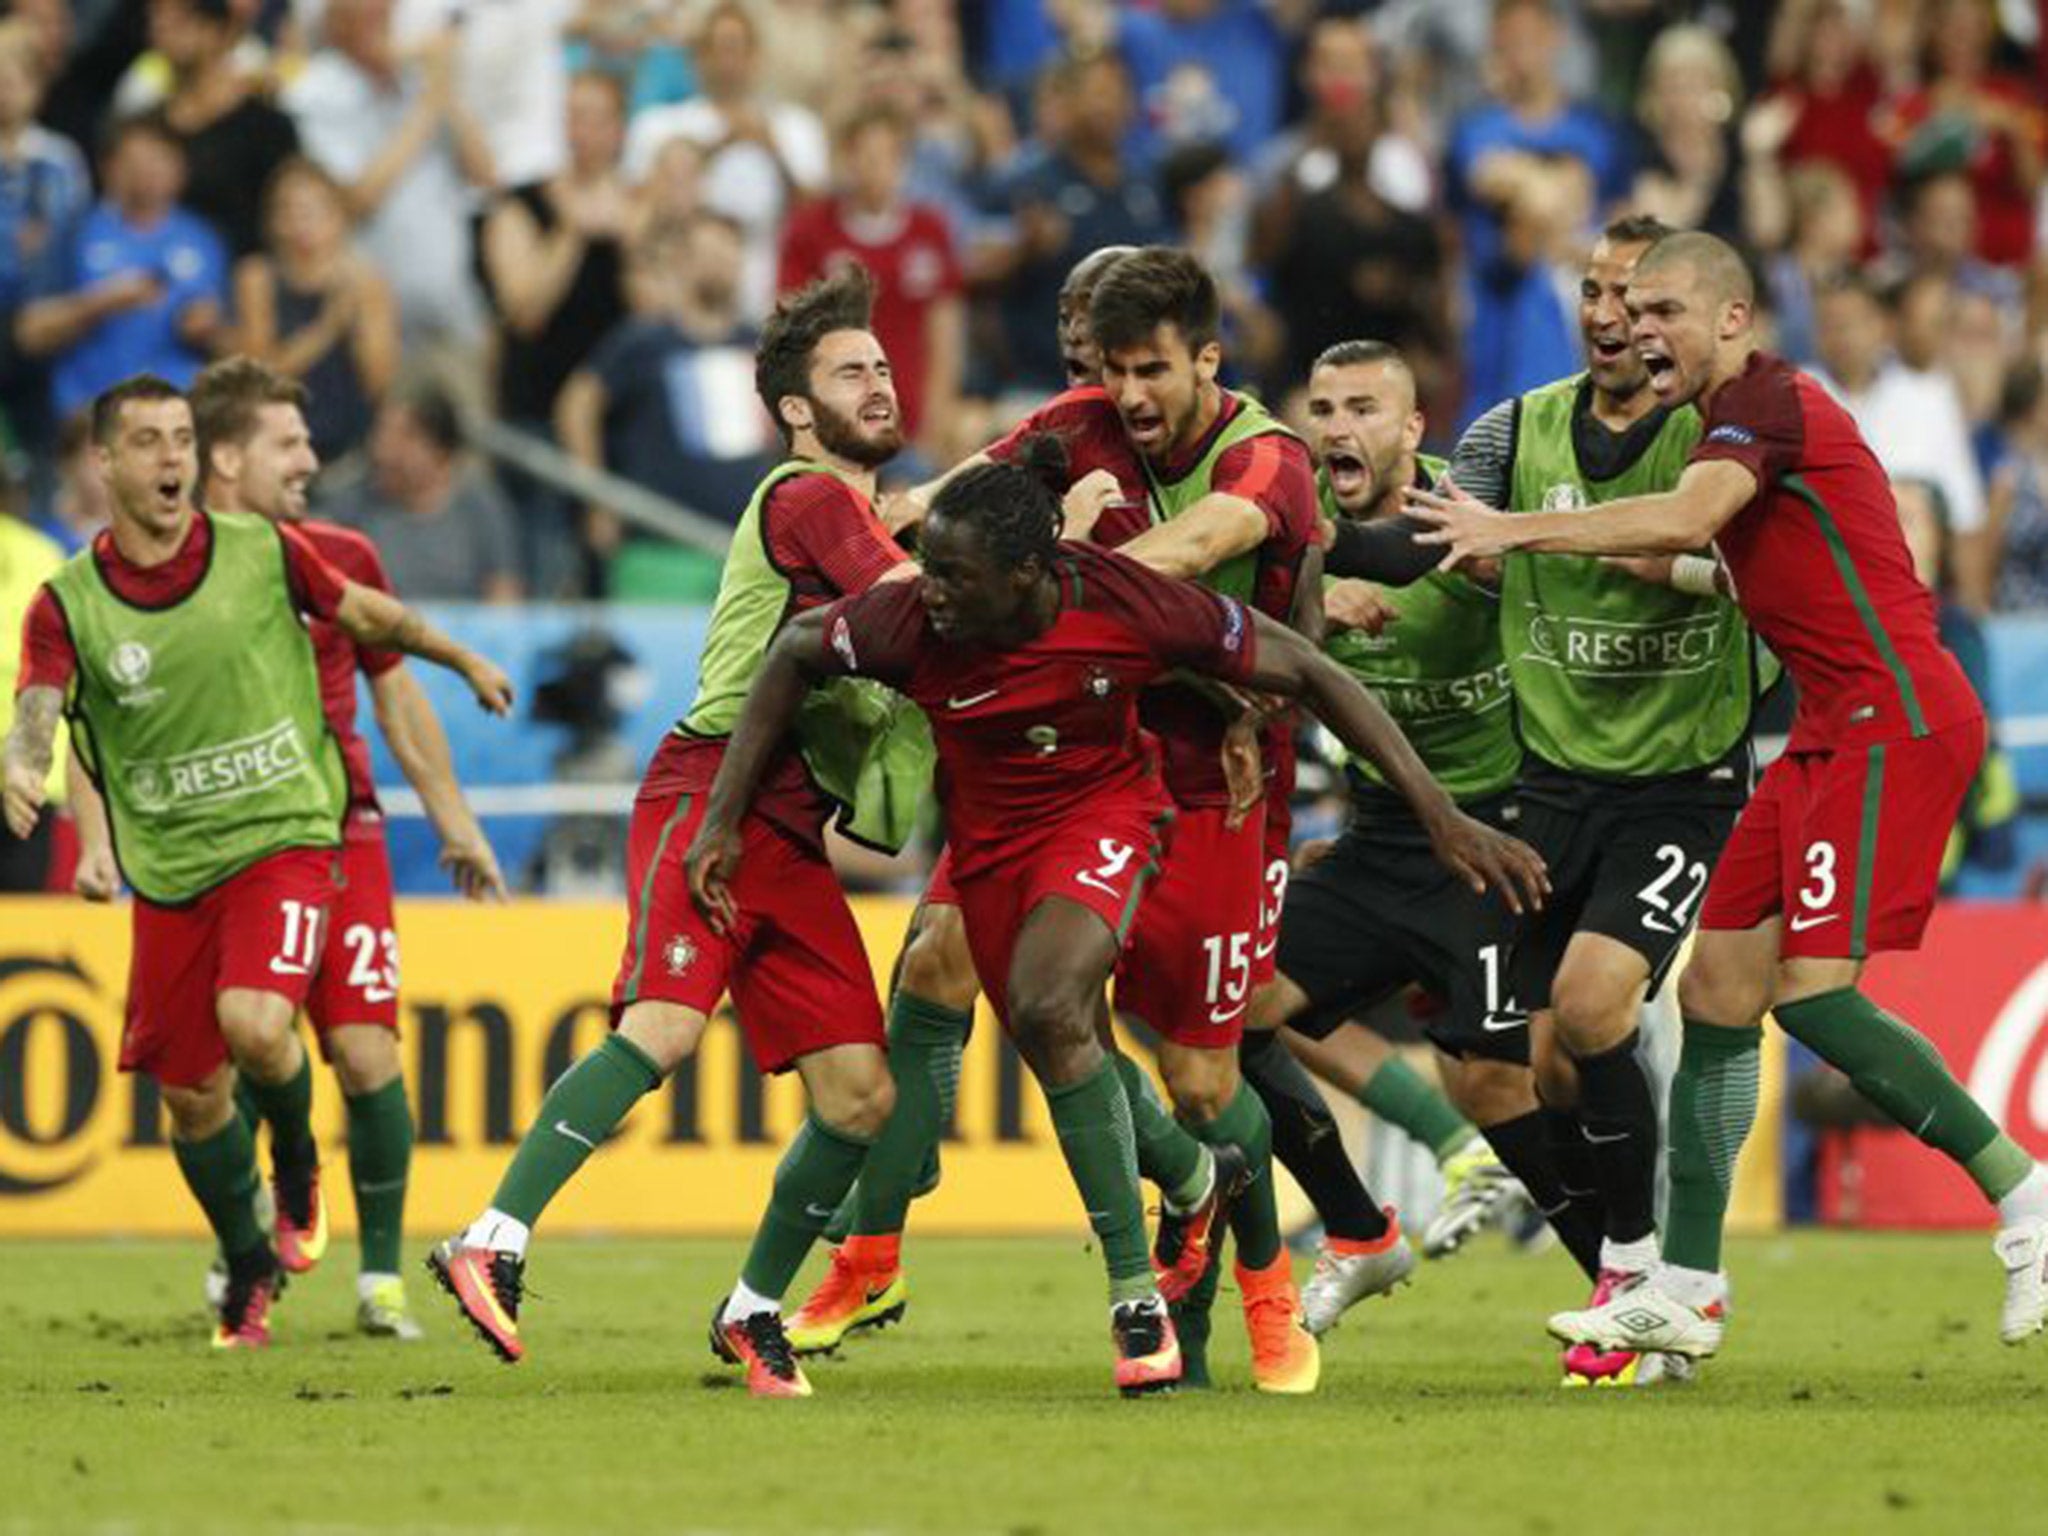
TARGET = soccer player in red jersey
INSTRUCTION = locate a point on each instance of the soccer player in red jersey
(174, 645)
(794, 962)
(256, 455)
(1838, 852)
(1029, 656)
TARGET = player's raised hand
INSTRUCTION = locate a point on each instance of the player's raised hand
(473, 866)
(97, 877)
(1487, 859)
(487, 680)
(1469, 528)
(1354, 604)
(711, 865)
(24, 795)
(1085, 502)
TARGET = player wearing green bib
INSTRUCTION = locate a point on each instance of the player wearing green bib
(176, 646)
(1634, 702)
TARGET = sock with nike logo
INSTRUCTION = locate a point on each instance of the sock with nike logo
(1398, 1095)
(1306, 1139)
(585, 1105)
(813, 1177)
(1895, 1067)
(1713, 1105)
(379, 1157)
(287, 1108)
(1618, 1120)
(925, 1042)
(1524, 1148)
(1255, 1218)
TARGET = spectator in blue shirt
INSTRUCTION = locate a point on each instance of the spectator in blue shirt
(1079, 196)
(1520, 168)
(1204, 70)
(44, 192)
(144, 286)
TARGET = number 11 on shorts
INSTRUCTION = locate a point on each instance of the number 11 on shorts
(301, 946)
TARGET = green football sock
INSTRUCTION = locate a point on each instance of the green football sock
(1895, 1067)
(1398, 1094)
(1167, 1154)
(586, 1103)
(925, 1042)
(1193, 1318)
(287, 1108)
(1713, 1105)
(810, 1181)
(379, 1157)
(221, 1173)
(1093, 1118)
(1255, 1218)
(245, 1103)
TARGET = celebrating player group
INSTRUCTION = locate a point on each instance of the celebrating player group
(1095, 641)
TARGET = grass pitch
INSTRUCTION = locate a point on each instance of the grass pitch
(1864, 1391)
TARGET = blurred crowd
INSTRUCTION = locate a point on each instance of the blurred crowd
(569, 216)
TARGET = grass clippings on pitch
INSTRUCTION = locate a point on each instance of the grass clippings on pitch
(1864, 1391)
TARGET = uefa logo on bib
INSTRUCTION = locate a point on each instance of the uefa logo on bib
(1564, 497)
(130, 664)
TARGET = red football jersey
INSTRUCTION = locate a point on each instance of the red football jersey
(341, 656)
(1272, 471)
(1821, 567)
(1031, 737)
(911, 256)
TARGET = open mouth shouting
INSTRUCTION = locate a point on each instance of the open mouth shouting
(1349, 475)
(170, 493)
(1608, 349)
(1660, 365)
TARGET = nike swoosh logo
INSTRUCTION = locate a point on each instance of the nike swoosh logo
(286, 968)
(818, 1212)
(1264, 948)
(564, 1128)
(1494, 1023)
(1806, 920)
(1225, 1015)
(1602, 1141)
(971, 700)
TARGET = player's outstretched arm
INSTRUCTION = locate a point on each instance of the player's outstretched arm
(413, 732)
(381, 620)
(1215, 529)
(1387, 550)
(794, 662)
(98, 875)
(1476, 853)
(31, 747)
(1687, 517)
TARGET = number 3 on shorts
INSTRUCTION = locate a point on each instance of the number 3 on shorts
(1818, 894)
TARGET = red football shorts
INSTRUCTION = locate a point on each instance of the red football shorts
(1191, 965)
(1846, 845)
(939, 890)
(795, 966)
(264, 929)
(358, 979)
(1277, 845)
(1103, 861)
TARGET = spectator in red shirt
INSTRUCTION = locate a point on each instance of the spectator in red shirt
(919, 312)
(1822, 105)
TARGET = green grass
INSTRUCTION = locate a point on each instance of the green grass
(1865, 1391)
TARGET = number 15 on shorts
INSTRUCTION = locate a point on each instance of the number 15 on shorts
(1230, 974)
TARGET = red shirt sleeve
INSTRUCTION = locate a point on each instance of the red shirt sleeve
(316, 585)
(1756, 421)
(878, 633)
(1273, 472)
(48, 659)
(825, 538)
(1182, 623)
(355, 556)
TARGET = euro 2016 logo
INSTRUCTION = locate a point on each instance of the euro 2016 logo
(1564, 497)
(129, 665)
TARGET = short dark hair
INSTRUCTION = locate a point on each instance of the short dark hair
(430, 405)
(138, 124)
(1637, 229)
(1014, 505)
(844, 301)
(228, 396)
(1356, 354)
(1154, 286)
(1086, 274)
(108, 403)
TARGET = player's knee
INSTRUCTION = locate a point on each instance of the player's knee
(199, 1110)
(1054, 1030)
(1711, 992)
(257, 1027)
(364, 1057)
(1594, 1009)
(1557, 1079)
(1200, 1083)
(666, 1033)
(938, 966)
(1492, 1092)
(859, 1099)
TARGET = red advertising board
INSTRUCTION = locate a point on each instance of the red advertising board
(1978, 988)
